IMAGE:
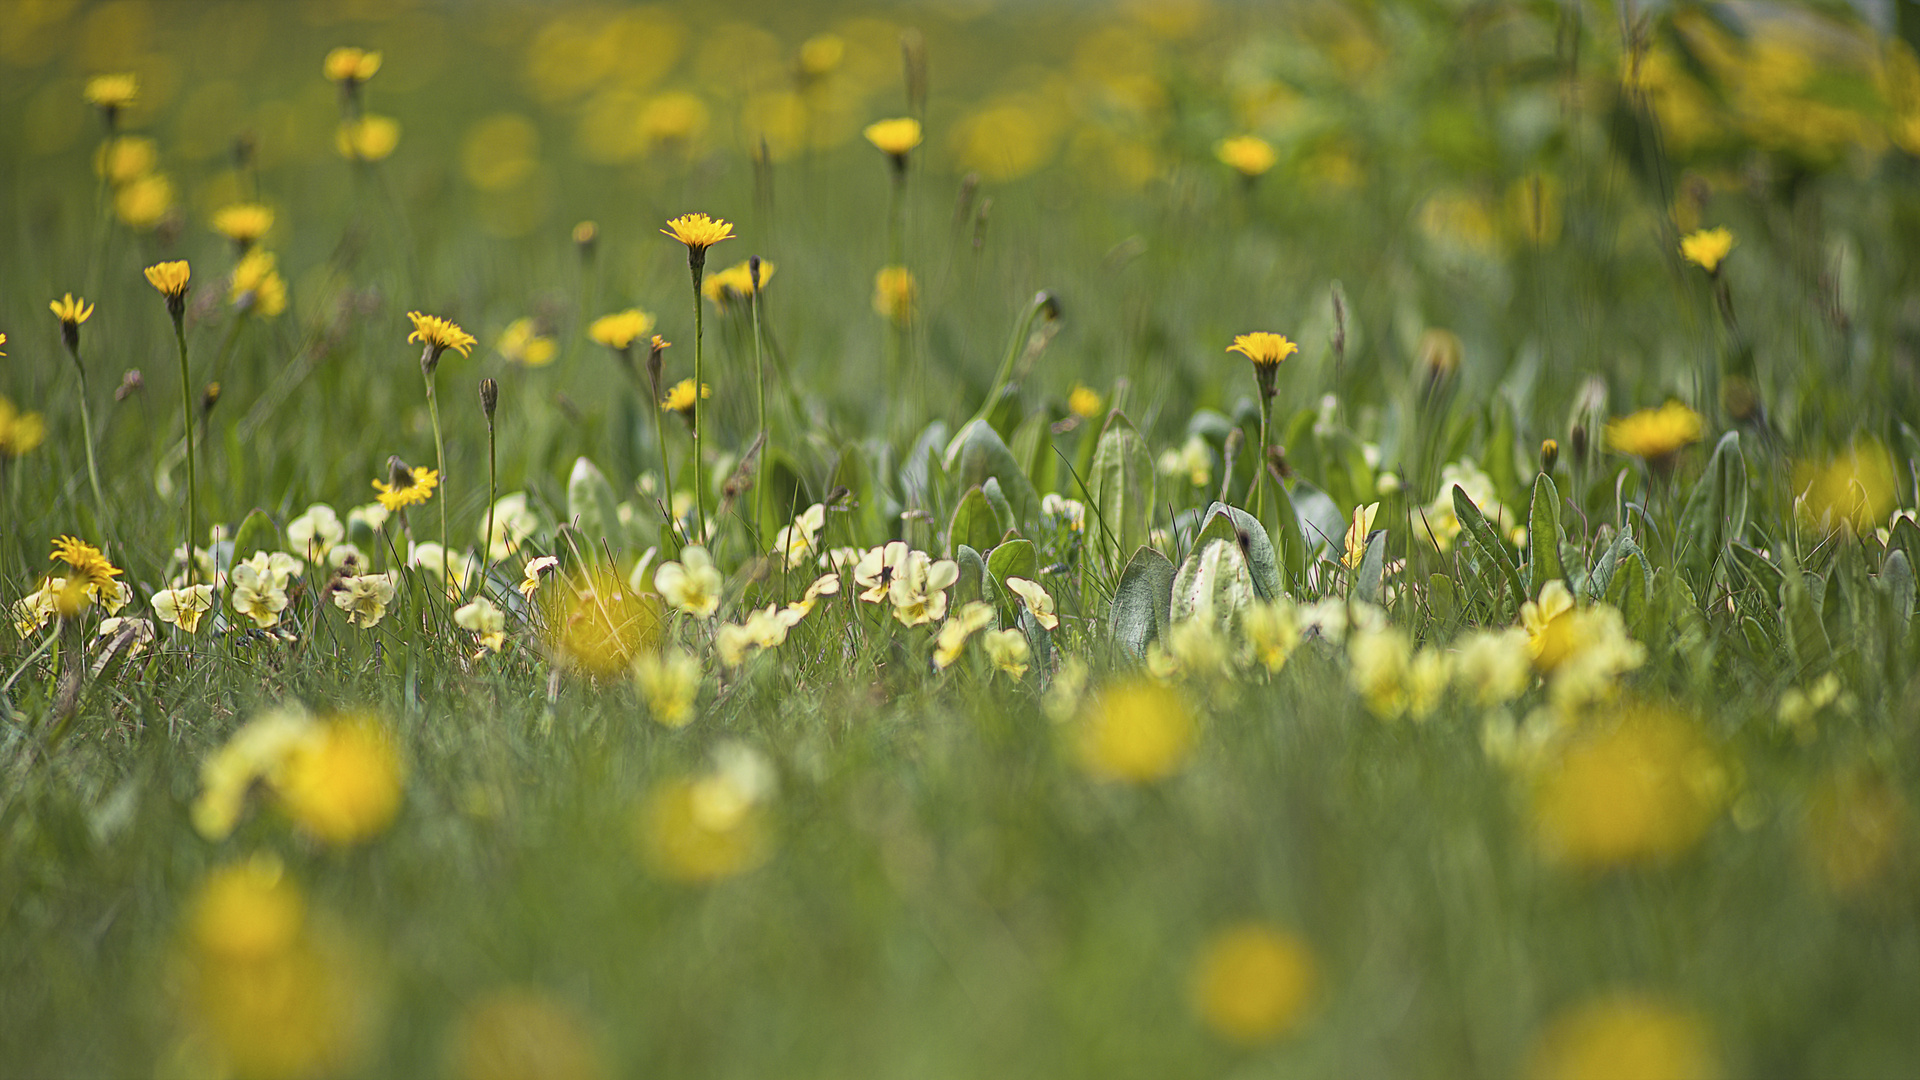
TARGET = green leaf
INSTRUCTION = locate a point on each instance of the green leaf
(1292, 543)
(1543, 535)
(977, 453)
(594, 510)
(1319, 520)
(1760, 573)
(1441, 596)
(1366, 583)
(1716, 509)
(1630, 588)
(1142, 604)
(866, 523)
(1600, 578)
(1224, 522)
(973, 583)
(973, 523)
(1806, 638)
(1122, 483)
(257, 533)
(1896, 580)
(1015, 558)
(1033, 448)
(1213, 584)
(1002, 510)
(1474, 525)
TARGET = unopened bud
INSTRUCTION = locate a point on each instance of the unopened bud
(1577, 442)
(1549, 456)
(209, 398)
(489, 398)
(585, 235)
(130, 384)
(753, 273)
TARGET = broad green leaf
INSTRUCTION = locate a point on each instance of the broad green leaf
(1232, 523)
(1806, 638)
(972, 584)
(1122, 484)
(1366, 581)
(257, 533)
(1213, 584)
(1543, 536)
(1716, 509)
(1014, 558)
(973, 523)
(1319, 520)
(977, 453)
(592, 507)
(1002, 510)
(1474, 525)
(1896, 579)
(1142, 604)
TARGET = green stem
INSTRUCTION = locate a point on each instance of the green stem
(697, 264)
(186, 416)
(486, 554)
(86, 430)
(896, 335)
(1260, 464)
(760, 405)
(1013, 353)
(440, 461)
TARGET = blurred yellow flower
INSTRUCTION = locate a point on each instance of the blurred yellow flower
(799, 541)
(112, 91)
(1857, 486)
(1249, 155)
(247, 910)
(618, 330)
(895, 138)
(691, 585)
(1007, 650)
(821, 54)
(1639, 787)
(485, 619)
(370, 138)
(143, 202)
(1253, 983)
(1084, 401)
(351, 65)
(1655, 435)
(734, 284)
(1624, 1035)
(126, 158)
(170, 278)
(698, 231)
(258, 286)
(20, 432)
(973, 617)
(1706, 248)
(1135, 731)
(521, 1034)
(673, 117)
(522, 343)
(1272, 632)
(254, 753)
(893, 294)
(597, 625)
(440, 334)
(670, 682)
(1263, 348)
(413, 494)
(679, 397)
(1193, 460)
(711, 827)
(1494, 666)
(243, 223)
(343, 783)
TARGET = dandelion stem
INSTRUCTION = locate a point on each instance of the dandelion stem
(1014, 348)
(186, 416)
(486, 562)
(697, 264)
(86, 431)
(760, 405)
(440, 459)
(1260, 463)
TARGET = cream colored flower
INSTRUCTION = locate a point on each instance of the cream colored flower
(670, 681)
(373, 515)
(1194, 460)
(1272, 631)
(972, 617)
(693, 584)
(256, 752)
(183, 607)
(1070, 512)
(435, 561)
(764, 629)
(1493, 666)
(364, 597)
(798, 540)
(535, 570)
(1357, 533)
(485, 619)
(875, 571)
(313, 534)
(258, 589)
(1037, 600)
(919, 588)
(514, 523)
(1007, 650)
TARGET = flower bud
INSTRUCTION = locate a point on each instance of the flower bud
(1549, 456)
(489, 398)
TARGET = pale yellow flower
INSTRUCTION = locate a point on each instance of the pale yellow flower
(1193, 460)
(1007, 650)
(670, 681)
(255, 752)
(364, 597)
(183, 607)
(485, 619)
(876, 568)
(433, 560)
(1494, 666)
(972, 617)
(1038, 602)
(799, 540)
(535, 571)
(693, 584)
(918, 590)
(1272, 631)
(1357, 533)
(313, 534)
(514, 523)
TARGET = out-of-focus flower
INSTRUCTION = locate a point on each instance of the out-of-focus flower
(894, 290)
(1084, 401)
(350, 65)
(692, 585)
(973, 617)
(1639, 787)
(895, 138)
(125, 159)
(20, 432)
(1253, 983)
(1494, 666)
(1007, 650)
(112, 92)
(1136, 731)
(1857, 830)
(1655, 435)
(599, 624)
(798, 541)
(520, 1034)
(485, 619)
(243, 223)
(1070, 512)
(369, 138)
(1391, 679)
(710, 827)
(679, 397)
(343, 782)
(514, 523)
(450, 567)
(1193, 460)
(1622, 1035)
(142, 203)
(1248, 155)
(1706, 248)
(1441, 524)
(763, 629)
(618, 330)
(1272, 632)
(257, 286)
(1857, 486)
(313, 534)
(734, 285)
(254, 753)
(90, 569)
(522, 343)
(670, 681)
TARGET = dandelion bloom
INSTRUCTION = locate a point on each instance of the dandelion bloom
(618, 330)
(1253, 983)
(1706, 248)
(1860, 486)
(126, 159)
(698, 231)
(19, 431)
(1248, 155)
(369, 138)
(1624, 1034)
(412, 494)
(1263, 348)
(1641, 788)
(1084, 402)
(243, 223)
(143, 203)
(112, 92)
(893, 293)
(170, 278)
(1656, 434)
(680, 397)
(257, 286)
(90, 567)
(71, 312)
(350, 65)
(343, 783)
(522, 343)
(734, 284)
(895, 138)
(1137, 731)
(440, 334)
(670, 681)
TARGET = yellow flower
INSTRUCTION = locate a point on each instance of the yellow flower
(1249, 155)
(1622, 1035)
(398, 498)
(257, 588)
(522, 343)
(519, 1034)
(618, 330)
(440, 334)
(822, 54)
(1263, 348)
(434, 561)
(1194, 460)
(1357, 533)
(918, 589)
(670, 681)
(972, 618)
(1253, 983)
(183, 607)
(1007, 650)
(764, 629)
(1381, 670)
(170, 278)
(71, 312)
(1656, 434)
(1706, 248)
(798, 541)
(533, 572)
(243, 223)
(734, 284)
(1857, 486)
(254, 753)
(1640, 788)
(19, 431)
(1084, 401)
(895, 137)
(711, 827)
(894, 290)
(343, 783)
(692, 585)
(364, 597)
(90, 567)
(257, 286)
(1494, 666)
(351, 65)
(1272, 631)
(112, 91)
(126, 159)
(485, 619)
(369, 138)
(314, 533)
(698, 231)
(1038, 602)
(144, 202)
(680, 396)
(598, 624)
(1137, 731)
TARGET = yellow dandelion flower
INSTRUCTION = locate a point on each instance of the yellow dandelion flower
(822, 54)
(413, 494)
(247, 910)
(126, 159)
(618, 330)
(351, 66)
(112, 92)
(1643, 788)
(680, 398)
(698, 231)
(89, 565)
(522, 343)
(1253, 983)
(143, 203)
(440, 334)
(257, 285)
(895, 138)
(19, 431)
(369, 138)
(1655, 435)
(243, 223)
(1263, 348)
(343, 784)
(1248, 155)
(734, 284)
(1084, 401)
(1706, 248)
(1859, 486)
(170, 278)
(71, 312)
(1621, 1035)
(1137, 731)
(894, 290)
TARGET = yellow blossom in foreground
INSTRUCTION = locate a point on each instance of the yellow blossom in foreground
(1272, 631)
(710, 827)
(256, 752)
(485, 619)
(143, 202)
(679, 397)
(20, 432)
(597, 625)
(369, 138)
(973, 617)
(364, 597)
(183, 607)
(1084, 401)
(243, 223)
(1263, 348)
(894, 138)
(1253, 983)
(247, 910)
(698, 231)
(618, 330)
(1858, 828)
(1357, 533)
(1858, 487)
(1007, 650)
(1547, 624)
(1641, 787)
(1706, 248)
(112, 91)
(170, 278)
(1249, 155)
(1656, 434)
(670, 682)
(1494, 666)
(522, 343)
(257, 286)
(89, 566)
(440, 334)
(1135, 731)
(692, 585)
(1624, 1035)
(343, 783)
(893, 294)
(351, 65)
(523, 1035)
(419, 491)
